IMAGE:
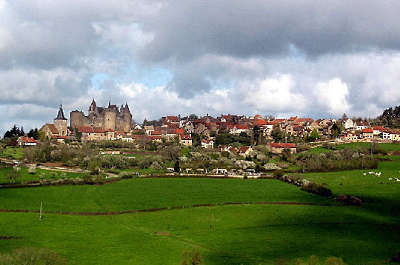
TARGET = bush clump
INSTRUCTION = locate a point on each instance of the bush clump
(317, 189)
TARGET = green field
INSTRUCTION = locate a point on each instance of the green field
(12, 153)
(37, 175)
(244, 234)
(387, 147)
(226, 235)
(380, 193)
(145, 193)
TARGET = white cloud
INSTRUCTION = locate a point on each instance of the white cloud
(333, 96)
(272, 94)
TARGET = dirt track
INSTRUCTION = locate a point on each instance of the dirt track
(165, 208)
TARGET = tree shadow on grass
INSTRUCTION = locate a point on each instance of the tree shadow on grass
(354, 237)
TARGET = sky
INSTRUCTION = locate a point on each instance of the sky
(167, 57)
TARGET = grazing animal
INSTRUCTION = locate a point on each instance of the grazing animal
(364, 174)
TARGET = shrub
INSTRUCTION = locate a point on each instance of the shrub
(192, 257)
(145, 163)
(317, 189)
(225, 154)
(278, 174)
(87, 178)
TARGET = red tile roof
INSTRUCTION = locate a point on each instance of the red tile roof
(185, 137)
(241, 127)
(27, 139)
(282, 145)
(244, 149)
(261, 122)
(367, 130)
(86, 129)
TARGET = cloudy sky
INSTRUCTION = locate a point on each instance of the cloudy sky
(309, 57)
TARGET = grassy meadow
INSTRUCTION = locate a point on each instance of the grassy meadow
(37, 175)
(146, 193)
(247, 234)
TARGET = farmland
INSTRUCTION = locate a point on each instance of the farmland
(150, 220)
(231, 234)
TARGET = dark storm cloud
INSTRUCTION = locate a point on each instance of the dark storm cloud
(187, 29)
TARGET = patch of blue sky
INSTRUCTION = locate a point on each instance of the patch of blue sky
(151, 77)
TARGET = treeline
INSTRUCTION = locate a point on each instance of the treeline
(390, 117)
(10, 137)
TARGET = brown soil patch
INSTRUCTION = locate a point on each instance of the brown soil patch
(162, 234)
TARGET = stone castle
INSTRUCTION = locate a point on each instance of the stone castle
(110, 118)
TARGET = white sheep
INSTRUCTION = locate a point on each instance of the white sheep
(390, 179)
(364, 174)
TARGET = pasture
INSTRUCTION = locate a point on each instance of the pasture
(38, 174)
(233, 234)
(145, 193)
(381, 193)
(194, 214)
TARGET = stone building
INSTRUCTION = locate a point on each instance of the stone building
(110, 118)
(58, 129)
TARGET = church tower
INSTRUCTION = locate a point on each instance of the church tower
(61, 123)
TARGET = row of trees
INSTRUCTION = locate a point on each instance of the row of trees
(11, 136)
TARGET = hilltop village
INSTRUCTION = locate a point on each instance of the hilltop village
(101, 162)
(113, 123)
(232, 145)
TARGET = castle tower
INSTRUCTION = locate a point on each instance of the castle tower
(127, 117)
(92, 107)
(110, 119)
(61, 122)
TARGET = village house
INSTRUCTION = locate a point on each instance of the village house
(95, 133)
(386, 134)
(209, 144)
(148, 129)
(395, 136)
(378, 130)
(361, 125)
(240, 128)
(245, 151)
(185, 139)
(26, 141)
(348, 123)
(367, 133)
(122, 136)
(349, 135)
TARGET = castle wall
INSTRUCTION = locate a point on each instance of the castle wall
(110, 120)
(78, 119)
(107, 118)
